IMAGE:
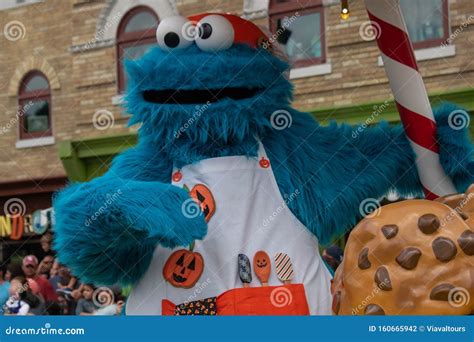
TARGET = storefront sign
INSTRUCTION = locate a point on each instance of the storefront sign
(15, 227)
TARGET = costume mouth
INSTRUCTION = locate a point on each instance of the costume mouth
(201, 96)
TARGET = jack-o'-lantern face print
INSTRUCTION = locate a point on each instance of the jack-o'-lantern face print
(183, 268)
(262, 262)
(203, 196)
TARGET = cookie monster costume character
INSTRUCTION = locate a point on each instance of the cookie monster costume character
(220, 209)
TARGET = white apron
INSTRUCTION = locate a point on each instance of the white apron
(250, 215)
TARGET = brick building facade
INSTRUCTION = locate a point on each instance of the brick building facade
(76, 45)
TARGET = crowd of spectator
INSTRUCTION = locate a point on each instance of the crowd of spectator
(40, 285)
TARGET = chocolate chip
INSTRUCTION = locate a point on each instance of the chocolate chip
(408, 258)
(428, 223)
(466, 242)
(382, 279)
(364, 262)
(374, 310)
(441, 292)
(390, 230)
(444, 249)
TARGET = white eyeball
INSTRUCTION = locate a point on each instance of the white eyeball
(175, 33)
(214, 33)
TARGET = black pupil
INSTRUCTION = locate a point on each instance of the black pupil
(205, 31)
(171, 40)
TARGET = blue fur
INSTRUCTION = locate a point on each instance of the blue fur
(332, 170)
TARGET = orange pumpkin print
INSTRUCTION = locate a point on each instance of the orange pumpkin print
(204, 198)
(183, 268)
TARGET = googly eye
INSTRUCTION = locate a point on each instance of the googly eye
(175, 33)
(214, 33)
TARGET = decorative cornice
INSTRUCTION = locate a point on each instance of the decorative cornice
(255, 9)
(255, 15)
(93, 45)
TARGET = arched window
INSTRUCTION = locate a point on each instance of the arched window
(136, 34)
(34, 106)
(302, 27)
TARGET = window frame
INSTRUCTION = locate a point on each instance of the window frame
(425, 44)
(125, 40)
(278, 11)
(36, 95)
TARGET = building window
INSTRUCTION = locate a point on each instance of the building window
(302, 27)
(34, 106)
(136, 34)
(427, 21)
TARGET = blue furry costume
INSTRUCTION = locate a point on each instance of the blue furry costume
(333, 170)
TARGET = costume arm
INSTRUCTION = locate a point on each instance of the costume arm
(389, 151)
(335, 168)
(107, 229)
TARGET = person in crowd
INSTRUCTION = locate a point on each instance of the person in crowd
(15, 305)
(46, 242)
(14, 269)
(29, 267)
(4, 285)
(55, 269)
(85, 305)
(61, 308)
(22, 300)
(35, 299)
(45, 266)
(57, 276)
(333, 256)
(63, 281)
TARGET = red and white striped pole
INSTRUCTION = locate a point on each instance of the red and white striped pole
(410, 94)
